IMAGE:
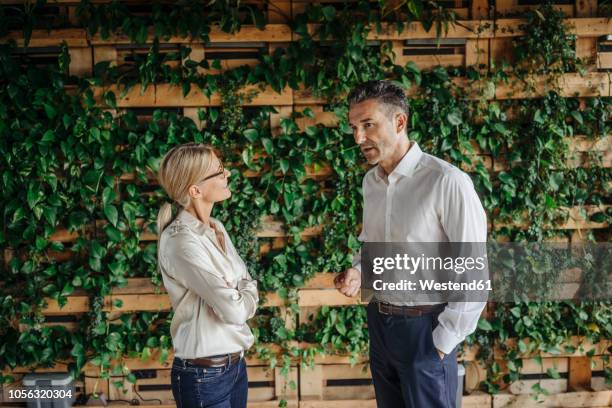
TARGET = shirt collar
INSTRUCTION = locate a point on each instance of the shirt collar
(406, 166)
(192, 222)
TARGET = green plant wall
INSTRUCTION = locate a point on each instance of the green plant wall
(63, 154)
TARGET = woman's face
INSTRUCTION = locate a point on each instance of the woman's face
(213, 186)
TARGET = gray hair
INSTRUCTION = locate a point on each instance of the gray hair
(386, 92)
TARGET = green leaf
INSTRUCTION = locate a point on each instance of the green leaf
(251, 134)
(50, 111)
(247, 157)
(454, 118)
(186, 87)
(113, 234)
(112, 214)
(329, 12)
(48, 137)
(553, 373)
(284, 165)
(484, 325)
(268, 145)
(577, 117)
(110, 99)
(34, 194)
(213, 114)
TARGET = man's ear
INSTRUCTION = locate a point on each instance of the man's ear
(401, 121)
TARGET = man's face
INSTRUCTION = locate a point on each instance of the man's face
(374, 129)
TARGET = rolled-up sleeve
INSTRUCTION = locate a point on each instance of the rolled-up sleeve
(196, 272)
(464, 220)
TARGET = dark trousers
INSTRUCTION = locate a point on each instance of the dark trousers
(218, 387)
(406, 368)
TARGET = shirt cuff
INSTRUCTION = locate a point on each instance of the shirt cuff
(445, 340)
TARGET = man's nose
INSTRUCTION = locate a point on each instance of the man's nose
(359, 136)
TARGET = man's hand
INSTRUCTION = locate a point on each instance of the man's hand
(441, 354)
(348, 282)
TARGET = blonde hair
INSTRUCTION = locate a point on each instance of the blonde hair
(181, 167)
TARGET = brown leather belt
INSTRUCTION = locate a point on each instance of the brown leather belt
(215, 361)
(411, 311)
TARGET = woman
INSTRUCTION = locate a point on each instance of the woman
(212, 293)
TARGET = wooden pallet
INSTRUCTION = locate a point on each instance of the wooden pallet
(595, 399)
(473, 42)
(265, 385)
(273, 228)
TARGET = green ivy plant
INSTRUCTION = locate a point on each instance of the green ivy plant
(65, 158)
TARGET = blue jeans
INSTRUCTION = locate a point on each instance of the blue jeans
(407, 371)
(218, 387)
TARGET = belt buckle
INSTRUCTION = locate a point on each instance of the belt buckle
(380, 309)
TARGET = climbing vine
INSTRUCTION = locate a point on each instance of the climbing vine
(69, 162)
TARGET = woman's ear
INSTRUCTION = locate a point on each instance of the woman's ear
(194, 191)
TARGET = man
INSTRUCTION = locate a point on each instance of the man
(410, 196)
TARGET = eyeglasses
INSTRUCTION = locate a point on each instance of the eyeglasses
(221, 171)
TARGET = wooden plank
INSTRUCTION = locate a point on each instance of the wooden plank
(271, 228)
(579, 375)
(566, 400)
(477, 53)
(575, 219)
(103, 53)
(581, 345)
(479, 9)
(503, 27)
(571, 85)
(586, 50)
(552, 386)
(582, 27)
(588, 144)
(477, 400)
(604, 60)
(327, 119)
(282, 387)
(283, 112)
(314, 382)
(475, 373)
(130, 303)
(279, 11)
(427, 62)
(247, 33)
(192, 113)
(74, 37)
(585, 27)
(167, 95)
(512, 7)
(330, 297)
(586, 8)
(81, 61)
(273, 404)
(339, 404)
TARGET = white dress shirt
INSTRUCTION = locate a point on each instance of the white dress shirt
(426, 199)
(211, 291)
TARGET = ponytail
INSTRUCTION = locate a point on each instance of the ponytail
(164, 216)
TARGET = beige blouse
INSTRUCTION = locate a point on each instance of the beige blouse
(210, 289)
